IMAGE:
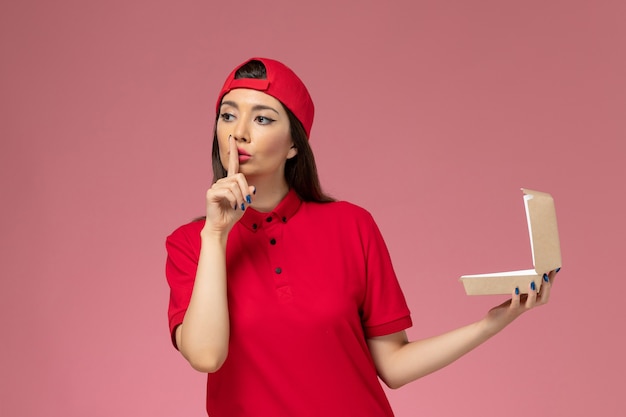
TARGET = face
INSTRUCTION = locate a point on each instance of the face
(260, 127)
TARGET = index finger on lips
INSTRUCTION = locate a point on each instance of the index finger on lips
(233, 157)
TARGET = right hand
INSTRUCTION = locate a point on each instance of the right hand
(501, 316)
(227, 198)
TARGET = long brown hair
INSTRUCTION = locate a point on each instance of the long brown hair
(301, 170)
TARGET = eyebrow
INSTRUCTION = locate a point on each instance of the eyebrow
(256, 107)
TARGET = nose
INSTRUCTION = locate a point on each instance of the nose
(240, 132)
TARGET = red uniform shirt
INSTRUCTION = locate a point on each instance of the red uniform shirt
(308, 283)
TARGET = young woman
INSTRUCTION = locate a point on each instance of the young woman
(285, 297)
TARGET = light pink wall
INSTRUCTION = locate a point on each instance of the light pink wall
(430, 114)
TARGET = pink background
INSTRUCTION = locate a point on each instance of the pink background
(431, 114)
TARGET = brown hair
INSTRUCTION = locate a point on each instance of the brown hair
(301, 170)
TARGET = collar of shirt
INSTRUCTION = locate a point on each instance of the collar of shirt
(285, 210)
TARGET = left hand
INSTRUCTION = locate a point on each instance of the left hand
(499, 317)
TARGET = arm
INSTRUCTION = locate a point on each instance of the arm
(203, 336)
(399, 361)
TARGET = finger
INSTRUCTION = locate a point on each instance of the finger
(251, 193)
(234, 189)
(515, 298)
(233, 157)
(546, 287)
(552, 275)
(224, 193)
(532, 295)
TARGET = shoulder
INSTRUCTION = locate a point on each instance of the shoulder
(338, 207)
(343, 212)
(188, 233)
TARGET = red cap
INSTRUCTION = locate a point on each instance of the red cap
(282, 84)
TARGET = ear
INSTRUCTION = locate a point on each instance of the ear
(293, 151)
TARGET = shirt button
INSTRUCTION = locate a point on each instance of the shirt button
(254, 226)
(272, 241)
(284, 220)
(278, 270)
(269, 219)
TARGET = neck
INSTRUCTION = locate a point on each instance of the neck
(268, 194)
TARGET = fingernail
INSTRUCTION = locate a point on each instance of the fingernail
(533, 286)
(248, 199)
(558, 269)
(243, 207)
(546, 278)
(516, 290)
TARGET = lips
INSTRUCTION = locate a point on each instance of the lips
(243, 155)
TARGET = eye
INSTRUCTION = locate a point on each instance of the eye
(264, 120)
(227, 117)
